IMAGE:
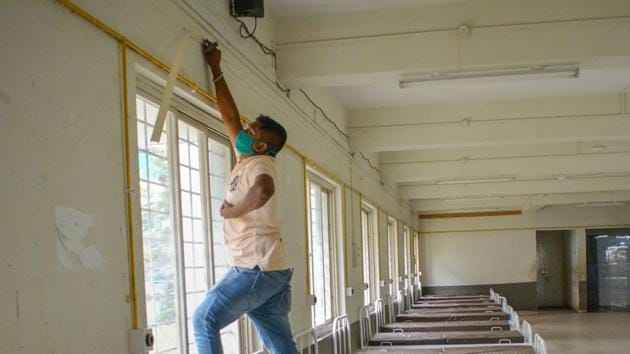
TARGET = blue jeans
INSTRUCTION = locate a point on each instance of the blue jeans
(264, 296)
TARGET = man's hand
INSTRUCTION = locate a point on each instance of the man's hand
(212, 54)
(257, 196)
(228, 210)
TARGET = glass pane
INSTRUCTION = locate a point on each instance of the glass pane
(195, 181)
(194, 156)
(198, 231)
(187, 229)
(158, 169)
(184, 178)
(142, 135)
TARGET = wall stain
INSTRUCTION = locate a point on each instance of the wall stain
(5, 98)
(42, 182)
(17, 303)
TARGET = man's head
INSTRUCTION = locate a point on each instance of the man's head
(270, 135)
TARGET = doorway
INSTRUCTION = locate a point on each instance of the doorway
(608, 269)
(552, 285)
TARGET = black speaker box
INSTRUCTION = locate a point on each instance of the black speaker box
(247, 8)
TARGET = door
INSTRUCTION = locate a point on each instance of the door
(550, 254)
(608, 270)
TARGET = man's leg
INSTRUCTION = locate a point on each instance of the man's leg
(272, 320)
(224, 304)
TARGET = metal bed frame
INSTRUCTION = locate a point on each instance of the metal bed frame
(341, 335)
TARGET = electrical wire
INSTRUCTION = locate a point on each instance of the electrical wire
(243, 28)
(265, 49)
(324, 114)
(369, 162)
(268, 51)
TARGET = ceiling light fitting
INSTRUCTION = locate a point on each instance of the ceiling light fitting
(485, 180)
(598, 147)
(599, 204)
(473, 199)
(536, 72)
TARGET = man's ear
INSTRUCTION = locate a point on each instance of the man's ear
(260, 147)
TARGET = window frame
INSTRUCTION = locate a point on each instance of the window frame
(416, 257)
(392, 252)
(406, 257)
(370, 239)
(336, 252)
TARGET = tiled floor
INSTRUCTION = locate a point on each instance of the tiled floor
(572, 333)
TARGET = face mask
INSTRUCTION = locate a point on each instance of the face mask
(244, 142)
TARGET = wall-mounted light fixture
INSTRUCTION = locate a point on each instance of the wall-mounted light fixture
(536, 72)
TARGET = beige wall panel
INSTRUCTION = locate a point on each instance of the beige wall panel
(292, 203)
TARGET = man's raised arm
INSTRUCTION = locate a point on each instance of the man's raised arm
(227, 107)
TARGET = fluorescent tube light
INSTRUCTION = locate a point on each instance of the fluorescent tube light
(473, 199)
(484, 180)
(471, 210)
(599, 204)
(538, 72)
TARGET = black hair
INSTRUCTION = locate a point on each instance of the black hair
(278, 132)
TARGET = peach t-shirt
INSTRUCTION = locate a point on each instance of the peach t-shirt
(254, 239)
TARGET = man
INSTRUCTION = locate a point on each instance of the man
(258, 282)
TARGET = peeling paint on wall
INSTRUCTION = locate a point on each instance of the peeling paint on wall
(73, 227)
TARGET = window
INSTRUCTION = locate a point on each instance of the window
(370, 259)
(392, 243)
(406, 273)
(322, 249)
(182, 185)
(416, 258)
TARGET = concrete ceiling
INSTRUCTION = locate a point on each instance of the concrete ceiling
(477, 144)
(287, 8)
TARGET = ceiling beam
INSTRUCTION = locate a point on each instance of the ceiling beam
(491, 133)
(352, 19)
(515, 188)
(522, 168)
(382, 58)
(504, 109)
(471, 214)
(504, 151)
(519, 202)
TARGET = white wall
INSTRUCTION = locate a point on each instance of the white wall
(61, 144)
(476, 258)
